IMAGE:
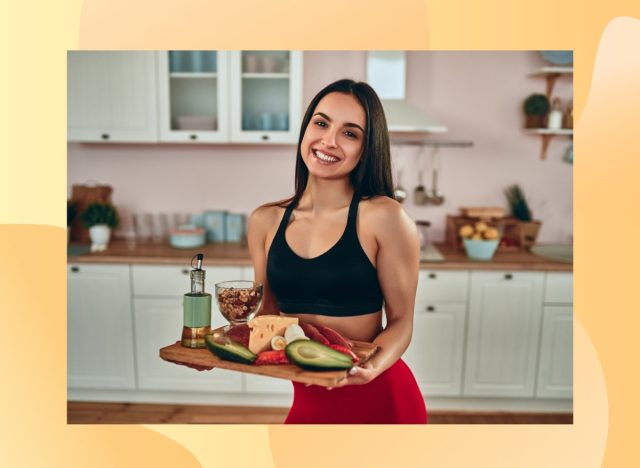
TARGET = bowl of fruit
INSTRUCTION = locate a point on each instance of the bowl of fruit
(480, 240)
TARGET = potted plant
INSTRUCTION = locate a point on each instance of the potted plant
(72, 212)
(520, 210)
(99, 218)
(536, 108)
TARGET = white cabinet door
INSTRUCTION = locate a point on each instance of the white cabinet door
(158, 323)
(505, 310)
(99, 327)
(111, 96)
(436, 350)
(193, 96)
(558, 288)
(266, 96)
(555, 372)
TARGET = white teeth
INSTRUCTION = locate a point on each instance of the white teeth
(324, 157)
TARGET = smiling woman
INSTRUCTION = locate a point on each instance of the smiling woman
(338, 250)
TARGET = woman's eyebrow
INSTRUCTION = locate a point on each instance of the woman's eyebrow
(347, 124)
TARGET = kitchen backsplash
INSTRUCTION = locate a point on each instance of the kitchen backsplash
(477, 95)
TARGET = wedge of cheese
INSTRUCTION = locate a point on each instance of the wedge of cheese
(265, 327)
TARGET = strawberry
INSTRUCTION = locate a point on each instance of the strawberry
(345, 350)
(334, 337)
(267, 358)
(313, 333)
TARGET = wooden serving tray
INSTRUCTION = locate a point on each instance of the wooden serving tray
(203, 359)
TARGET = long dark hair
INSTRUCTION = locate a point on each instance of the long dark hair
(372, 175)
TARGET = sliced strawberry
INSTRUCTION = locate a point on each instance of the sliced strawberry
(333, 336)
(345, 350)
(313, 334)
(267, 358)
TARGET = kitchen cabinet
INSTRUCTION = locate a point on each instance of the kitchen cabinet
(555, 369)
(193, 91)
(505, 311)
(99, 327)
(158, 322)
(158, 291)
(111, 96)
(266, 96)
(230, 97)
(435, 354)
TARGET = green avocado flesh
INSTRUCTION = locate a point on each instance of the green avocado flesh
(229, 350)
(311, 355)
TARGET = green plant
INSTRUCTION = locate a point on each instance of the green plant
(518, 203)
(537, 104)
(99, 213)
(72, 212)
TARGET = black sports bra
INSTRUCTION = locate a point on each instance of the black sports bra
(341, 282)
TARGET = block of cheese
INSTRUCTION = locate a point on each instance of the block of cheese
(265, 327)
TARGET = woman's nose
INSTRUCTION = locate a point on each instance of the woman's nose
(329, 138)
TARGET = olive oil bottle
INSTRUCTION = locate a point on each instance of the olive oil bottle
(196, 307)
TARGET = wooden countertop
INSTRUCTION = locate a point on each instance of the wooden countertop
(238, 254)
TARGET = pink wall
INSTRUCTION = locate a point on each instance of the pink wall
(477, 95)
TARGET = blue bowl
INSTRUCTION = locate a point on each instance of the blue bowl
(480, 249)
(558, 57)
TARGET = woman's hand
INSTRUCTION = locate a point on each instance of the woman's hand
(358, 376)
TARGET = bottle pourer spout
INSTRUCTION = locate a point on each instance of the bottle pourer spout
(199, 257)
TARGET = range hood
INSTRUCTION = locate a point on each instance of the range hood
(386, 73)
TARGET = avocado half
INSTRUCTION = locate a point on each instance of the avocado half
(229, 350)
(311, 355)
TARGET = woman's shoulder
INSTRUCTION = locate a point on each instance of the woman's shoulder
(266, 215)
(384, 215)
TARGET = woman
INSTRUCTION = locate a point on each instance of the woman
(339, 248)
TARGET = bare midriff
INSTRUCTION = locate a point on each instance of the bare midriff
(358, 327)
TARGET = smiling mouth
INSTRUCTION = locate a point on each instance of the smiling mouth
(325, 158)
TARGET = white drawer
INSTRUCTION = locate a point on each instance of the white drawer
(442, 286)
(559, 288)
(173, 280)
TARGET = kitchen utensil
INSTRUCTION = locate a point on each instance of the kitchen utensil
(187, 236)
(238, 301)
(435, 197)
(420, 195)
(399, 193)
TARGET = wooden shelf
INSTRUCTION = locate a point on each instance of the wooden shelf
(547, 135)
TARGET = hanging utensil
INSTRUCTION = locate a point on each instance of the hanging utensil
(420, 195)
(399, 193)
(435, 197)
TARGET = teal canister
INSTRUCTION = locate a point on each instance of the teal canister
(196, 306)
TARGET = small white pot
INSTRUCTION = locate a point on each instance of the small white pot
(99, 234)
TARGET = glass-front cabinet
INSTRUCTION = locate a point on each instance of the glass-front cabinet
(230, 96)
(266, 96)
(194, 94)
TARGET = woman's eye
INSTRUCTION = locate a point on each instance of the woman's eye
(351, 134)
(320, 123)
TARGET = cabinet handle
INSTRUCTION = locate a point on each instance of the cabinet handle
(185, 272)
(431, 309)
(193, 136)
(75, 270)
(432, 275)
(265, 137)
(104, 136)
(508, 276)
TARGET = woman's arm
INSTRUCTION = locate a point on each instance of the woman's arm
(258, 226)
(398, 264)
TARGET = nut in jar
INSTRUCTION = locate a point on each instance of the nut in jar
(239, 301)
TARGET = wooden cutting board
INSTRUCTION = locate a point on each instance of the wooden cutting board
(203, 359)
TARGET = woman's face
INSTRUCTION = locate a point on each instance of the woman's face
(333, 141)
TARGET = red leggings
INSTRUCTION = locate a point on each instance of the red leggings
(391, 398)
